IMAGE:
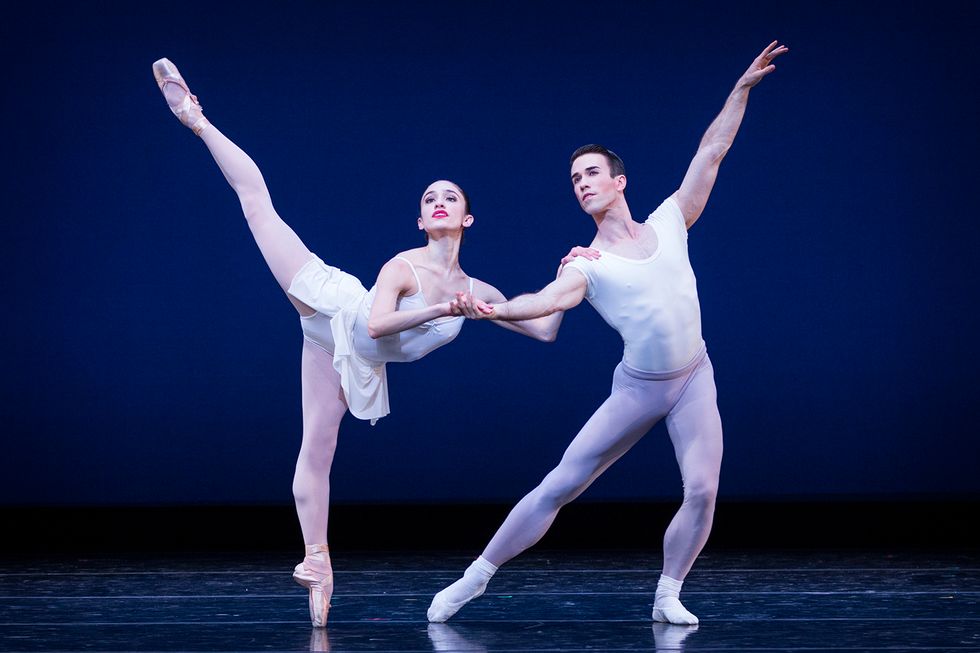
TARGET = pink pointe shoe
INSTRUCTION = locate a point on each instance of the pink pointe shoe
(316, 574)
(188, 111)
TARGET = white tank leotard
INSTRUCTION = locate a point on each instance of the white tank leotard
(410, 345)
(340, 327)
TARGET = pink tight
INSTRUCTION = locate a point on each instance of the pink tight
(323, 400)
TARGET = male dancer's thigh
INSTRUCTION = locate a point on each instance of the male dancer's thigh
(694, 425)
(616, 426)
(626, 416)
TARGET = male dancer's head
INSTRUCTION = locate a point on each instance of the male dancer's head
(598, 179)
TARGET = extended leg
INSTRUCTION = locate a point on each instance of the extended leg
(282, 249)
(618, 424)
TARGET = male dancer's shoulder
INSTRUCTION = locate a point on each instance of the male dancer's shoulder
(586, 268)
(670, 216)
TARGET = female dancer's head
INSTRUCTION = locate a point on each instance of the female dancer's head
(444, 210)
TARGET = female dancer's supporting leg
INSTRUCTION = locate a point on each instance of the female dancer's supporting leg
(323, 400)
(323, 408)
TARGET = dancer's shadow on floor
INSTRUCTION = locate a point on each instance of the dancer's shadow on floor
(445, 638)
(442, 636)
(319, 639)
(669, 637)
(666, 637)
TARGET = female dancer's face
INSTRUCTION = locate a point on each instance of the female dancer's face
(443, 210)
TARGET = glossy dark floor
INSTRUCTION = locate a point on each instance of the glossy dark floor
(541, 602)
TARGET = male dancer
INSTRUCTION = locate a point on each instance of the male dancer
(643, 286)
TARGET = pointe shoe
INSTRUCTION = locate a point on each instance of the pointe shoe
(316, 574)
(189, 111)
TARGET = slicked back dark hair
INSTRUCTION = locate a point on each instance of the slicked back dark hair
(616, 165)
(466, 198)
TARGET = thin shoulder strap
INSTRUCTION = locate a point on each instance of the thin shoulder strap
(471, 285)
(417, 280)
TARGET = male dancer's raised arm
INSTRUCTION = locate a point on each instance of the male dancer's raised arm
(568, 290)
(701, 174)
(646, 290)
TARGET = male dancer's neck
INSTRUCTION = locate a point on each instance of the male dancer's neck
(615, 222)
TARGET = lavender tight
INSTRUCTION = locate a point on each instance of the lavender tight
(687, 399)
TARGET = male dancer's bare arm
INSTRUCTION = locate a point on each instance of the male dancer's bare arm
(543, 328)
(701, 174)
(565, 292)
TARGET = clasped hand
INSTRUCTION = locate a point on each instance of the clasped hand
(466, 305)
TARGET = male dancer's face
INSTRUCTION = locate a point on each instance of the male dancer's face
(594, 187)
(443, 208)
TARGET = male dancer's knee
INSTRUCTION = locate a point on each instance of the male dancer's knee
(561, 486)
(700, 495)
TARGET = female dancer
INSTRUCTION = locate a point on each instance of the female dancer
(349, 332)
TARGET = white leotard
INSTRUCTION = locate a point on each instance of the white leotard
(409, 345)
(340, 327)
(651, 302)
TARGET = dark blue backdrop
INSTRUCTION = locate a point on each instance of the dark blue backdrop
(150, 358)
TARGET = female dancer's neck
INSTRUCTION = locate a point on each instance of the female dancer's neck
(443, 252)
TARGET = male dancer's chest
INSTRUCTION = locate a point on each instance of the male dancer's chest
(659, 277)
(645, 245)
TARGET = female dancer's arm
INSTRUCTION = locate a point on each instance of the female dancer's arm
(395, 280)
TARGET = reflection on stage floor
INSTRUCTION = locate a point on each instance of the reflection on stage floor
(563, 601)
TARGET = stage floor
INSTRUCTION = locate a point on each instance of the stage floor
(562, 601)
